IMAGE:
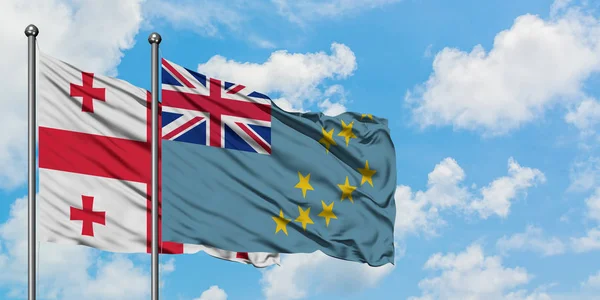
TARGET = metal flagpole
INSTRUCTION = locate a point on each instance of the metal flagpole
(154, 40)
(31, 32)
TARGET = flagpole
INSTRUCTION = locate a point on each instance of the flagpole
(31, 32)
(154, 40)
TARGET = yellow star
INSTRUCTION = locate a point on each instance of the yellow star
(366, 115)
(303, 184)
(304, 217)
(327, 212)
(367, 174)
(327, 139)
(347, 132)
(281, 223)
(347, 190)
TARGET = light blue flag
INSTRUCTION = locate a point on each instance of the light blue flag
(241, 174)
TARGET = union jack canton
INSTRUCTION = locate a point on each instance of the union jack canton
(211, 112)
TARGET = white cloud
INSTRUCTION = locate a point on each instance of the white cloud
(331, 109)
(532, 66)
(585, 174)
(334, 103)
(593, 282)
(593, 205)
(296, 77)
(213, 293)
(167, 267)
(443, 184)
(559, 6)
(66, 272)
(301, 275)
(497, 195)
(213, 18)
(117, 278)
(472, 275)
(590, 242)
(261, 42)
(202, 16)
(428, 50)
(532, 239)
(524, 295)
(586, 116)
(286, 105)
(210, 18)
(415, 214)
(419, 211)
(301, 11)
(74, 31)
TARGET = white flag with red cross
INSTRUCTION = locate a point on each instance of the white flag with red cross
(95, 165)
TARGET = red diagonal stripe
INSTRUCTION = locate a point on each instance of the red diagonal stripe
(236, 89)
(173, 71)
(183, 127)
(255, 137)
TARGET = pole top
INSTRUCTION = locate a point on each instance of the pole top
(31, 30)
(154, 38)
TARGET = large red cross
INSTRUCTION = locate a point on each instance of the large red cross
(88, 92)
(88, 216)
(215, 105)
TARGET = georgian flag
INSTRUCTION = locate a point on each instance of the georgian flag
(95, 165)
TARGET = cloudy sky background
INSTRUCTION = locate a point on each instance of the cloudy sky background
(493, 110)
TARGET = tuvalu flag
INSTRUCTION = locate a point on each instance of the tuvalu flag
(95, 165)
(243, 175)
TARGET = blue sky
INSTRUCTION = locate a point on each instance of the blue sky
(493, 111)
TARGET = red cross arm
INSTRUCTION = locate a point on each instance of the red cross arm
(95, 155)
(226, 107)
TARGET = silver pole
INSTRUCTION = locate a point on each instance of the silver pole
(31, 32)
(154, 39)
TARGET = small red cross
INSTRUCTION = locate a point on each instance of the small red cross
(88, 216)
(88, 92)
